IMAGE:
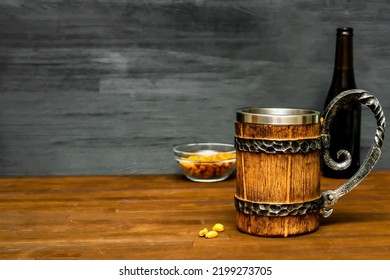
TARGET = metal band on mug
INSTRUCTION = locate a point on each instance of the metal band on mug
(274, 210)
(278, 146)
(278, 116)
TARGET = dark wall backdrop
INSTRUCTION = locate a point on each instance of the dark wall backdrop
(110, 86)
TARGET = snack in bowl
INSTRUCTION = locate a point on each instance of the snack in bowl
(206, 162)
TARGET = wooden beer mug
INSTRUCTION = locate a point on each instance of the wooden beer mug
(278, 166)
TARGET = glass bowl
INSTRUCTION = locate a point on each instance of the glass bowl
(206, 162)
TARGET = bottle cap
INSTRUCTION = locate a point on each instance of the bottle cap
(344, 31)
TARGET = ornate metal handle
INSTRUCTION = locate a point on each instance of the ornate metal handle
(330, 198)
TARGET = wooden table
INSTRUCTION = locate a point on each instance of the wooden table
(159, 216)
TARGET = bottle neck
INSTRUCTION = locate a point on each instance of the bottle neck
(343, 74)
(344, 51)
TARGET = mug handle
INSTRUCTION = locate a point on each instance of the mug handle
(330, 197)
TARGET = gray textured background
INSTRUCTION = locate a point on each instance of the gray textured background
(109, 87)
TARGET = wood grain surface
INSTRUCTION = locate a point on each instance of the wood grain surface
(159, 216)
(110, 86)
(278, 178)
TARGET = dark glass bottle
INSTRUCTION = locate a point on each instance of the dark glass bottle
(345, 129)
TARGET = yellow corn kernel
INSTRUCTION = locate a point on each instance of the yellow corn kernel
(218, 227)
(203, 232)
(211, 234)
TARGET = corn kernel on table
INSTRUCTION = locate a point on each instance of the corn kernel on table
(159, 217)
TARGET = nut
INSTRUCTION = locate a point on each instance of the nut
(218, 227)
(203, 232)
(211, 234)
